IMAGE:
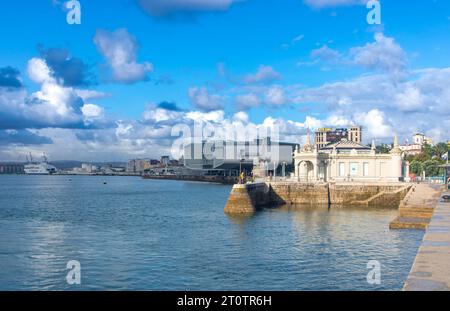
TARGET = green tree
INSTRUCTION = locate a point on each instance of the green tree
(384, 148)
(416, 167)
(431, 168)
(440, 150)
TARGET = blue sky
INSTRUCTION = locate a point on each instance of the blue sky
(297, 63)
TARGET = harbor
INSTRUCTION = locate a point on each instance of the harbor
(134, 234)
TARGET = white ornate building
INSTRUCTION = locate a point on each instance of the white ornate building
(348, 161)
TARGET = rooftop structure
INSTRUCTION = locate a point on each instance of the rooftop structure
(326, 136)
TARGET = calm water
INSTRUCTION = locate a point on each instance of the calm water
(134, 234)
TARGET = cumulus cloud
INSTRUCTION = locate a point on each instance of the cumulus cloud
(384, 54)
(120, 49)
(53, 105)
(70, 70)
(406, 106)
(264, 74)
(10, 78)
(201, 99)
(23, 138)
(38, 71)
(247, 101)
(275, 96)
(375, 124)
(164, 8)
(91, 111)
(325, 53)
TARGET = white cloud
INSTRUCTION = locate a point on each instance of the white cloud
(384, 54)
(410, 99)
(202, 100)
(120, 49)
(241, 117)
(53, 105)
(374, 124)
(293, 41)
(159, 115)
(264, 74)
(38, 71)
(319, 4)
(325, 53)
(247, 101)
(212, 116)
(382, 104)
(91, 111)
(90, 94)
(275, 96)
(170, 7)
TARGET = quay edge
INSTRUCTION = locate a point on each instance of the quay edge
(250, 198)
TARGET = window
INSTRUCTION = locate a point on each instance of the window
(342, 169)
(366, 169)
(353, 169)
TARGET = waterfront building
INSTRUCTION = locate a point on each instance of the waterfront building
(165, 160)
(417, 146)
(421, 139)
(349, 161)
(326, 136)
(88, 168)
(11, 168)
(413, 149)
(355, 134)
(230, 157)
(138, 166)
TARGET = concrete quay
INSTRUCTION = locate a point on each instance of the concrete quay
(250, 198)
(431, 268)
(417, 208)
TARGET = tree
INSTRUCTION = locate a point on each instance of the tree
(428, 151)
(384, 148)
(431, 168)
(440, 150)
(416, 167)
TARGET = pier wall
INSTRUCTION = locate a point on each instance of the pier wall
(252, 197)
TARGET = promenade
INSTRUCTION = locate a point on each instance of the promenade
(431, 269)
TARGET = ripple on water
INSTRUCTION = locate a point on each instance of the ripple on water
(136, 234)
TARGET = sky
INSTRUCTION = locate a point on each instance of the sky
(113, 87)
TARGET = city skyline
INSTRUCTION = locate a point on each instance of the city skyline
(111, 88)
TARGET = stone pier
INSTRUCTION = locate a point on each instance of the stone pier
(417, 208)
(253, 197)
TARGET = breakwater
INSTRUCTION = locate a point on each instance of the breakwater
(253, 197)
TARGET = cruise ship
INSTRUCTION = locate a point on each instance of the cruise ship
(42, 168)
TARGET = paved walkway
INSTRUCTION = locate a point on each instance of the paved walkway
(431, 269)
(417, 209)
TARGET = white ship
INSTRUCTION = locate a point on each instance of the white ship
(42, 168)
